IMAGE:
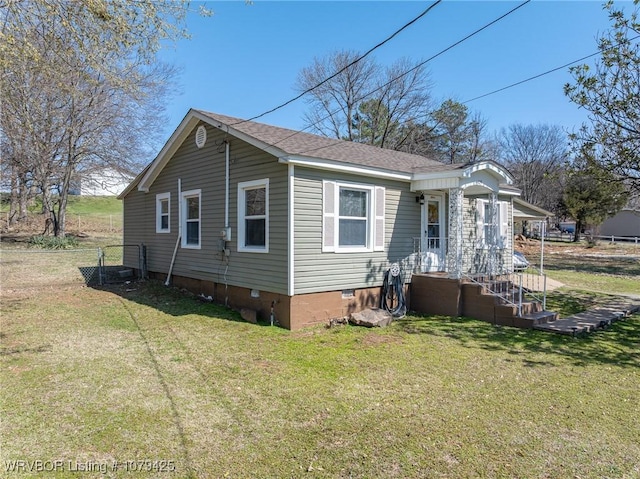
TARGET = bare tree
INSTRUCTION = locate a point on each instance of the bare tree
(334, 102)
(536, 156)
(364, 102)
(81, 88)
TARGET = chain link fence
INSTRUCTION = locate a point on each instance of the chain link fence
(30, 268)
(111, 267)
(27, 268)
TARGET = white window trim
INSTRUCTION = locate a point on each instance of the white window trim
(370, 189)
(159, 198)
(500, 227)
(183, 205)
(242, 188)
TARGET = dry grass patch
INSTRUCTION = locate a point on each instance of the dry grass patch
(144, 372)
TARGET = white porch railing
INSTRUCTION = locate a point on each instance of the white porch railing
(515, 288)
(434, 257)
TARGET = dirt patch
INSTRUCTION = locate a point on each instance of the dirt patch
(373, 339)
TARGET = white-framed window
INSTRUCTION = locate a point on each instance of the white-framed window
(492, 231)
(163, 213)
(253, 216)
(191, 227)
(353, 217)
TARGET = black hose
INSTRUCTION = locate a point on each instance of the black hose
(392, 292)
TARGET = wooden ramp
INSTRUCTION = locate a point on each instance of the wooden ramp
(588, 321)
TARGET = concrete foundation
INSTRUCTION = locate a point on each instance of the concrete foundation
(435, 294)
(291, 312)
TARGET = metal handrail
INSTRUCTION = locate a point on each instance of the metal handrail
(535, 276)
(511, 289)
(495, 285)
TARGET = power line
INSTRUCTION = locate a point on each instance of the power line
(411, 69)
(394, 34)
(547, 72)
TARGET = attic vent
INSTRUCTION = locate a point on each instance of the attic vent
(201, 136)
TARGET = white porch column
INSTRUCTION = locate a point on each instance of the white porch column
(456, 223)
(492, 240)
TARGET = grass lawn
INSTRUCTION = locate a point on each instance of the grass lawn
(95, 220)
(93, 378)
(604, 268)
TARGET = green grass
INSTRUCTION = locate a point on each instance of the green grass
(143, 372)
(82, 205)
(94, 220)
(94, 205)
(614, 269)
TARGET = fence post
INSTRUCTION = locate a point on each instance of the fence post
(100, 261)
(520, 297)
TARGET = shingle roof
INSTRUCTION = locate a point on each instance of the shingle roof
(313, 146)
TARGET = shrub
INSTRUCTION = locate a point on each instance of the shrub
(53, 242)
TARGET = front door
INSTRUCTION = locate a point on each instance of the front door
(433, 247)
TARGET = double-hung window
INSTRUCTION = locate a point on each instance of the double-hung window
(253, 216)
(163, 208)
(492, 227)
(191, 230)
(353, 217)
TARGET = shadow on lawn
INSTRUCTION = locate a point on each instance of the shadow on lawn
(618, 265)
(170, 300)
(618, 345)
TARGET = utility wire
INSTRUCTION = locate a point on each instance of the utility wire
(547, 72)
(386, 40)
(365, 95)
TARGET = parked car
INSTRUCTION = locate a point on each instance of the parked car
(520, 262)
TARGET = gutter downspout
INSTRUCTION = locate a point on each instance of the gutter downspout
(226, 184)
(175, 250)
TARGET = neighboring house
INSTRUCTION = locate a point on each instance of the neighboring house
(625, 223)
(105, 182)
(304, 227)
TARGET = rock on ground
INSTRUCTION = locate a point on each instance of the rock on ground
(371, 318)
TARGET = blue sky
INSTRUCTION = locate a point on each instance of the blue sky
(245, 59)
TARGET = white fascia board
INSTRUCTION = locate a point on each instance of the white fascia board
(321, 164)
(170, 147)
(191, 119)
(509, 193)
(492, 167)
(438, 175)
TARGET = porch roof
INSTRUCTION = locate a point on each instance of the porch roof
(474, 178)
(524, 211)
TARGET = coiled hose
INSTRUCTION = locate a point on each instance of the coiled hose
(393, 299)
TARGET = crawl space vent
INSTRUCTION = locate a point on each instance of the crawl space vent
(201, 136)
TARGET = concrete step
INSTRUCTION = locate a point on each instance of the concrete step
(588, 321)
(541, 316)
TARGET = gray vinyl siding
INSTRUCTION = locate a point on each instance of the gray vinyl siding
(316, 271)
(204, 169)
(474, 258)
(138, 218)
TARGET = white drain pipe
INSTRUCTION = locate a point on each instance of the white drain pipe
(175, 250)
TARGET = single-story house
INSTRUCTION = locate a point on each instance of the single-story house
(624, 223)
(304, 227)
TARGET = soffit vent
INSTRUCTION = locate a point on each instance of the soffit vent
(201, 136)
